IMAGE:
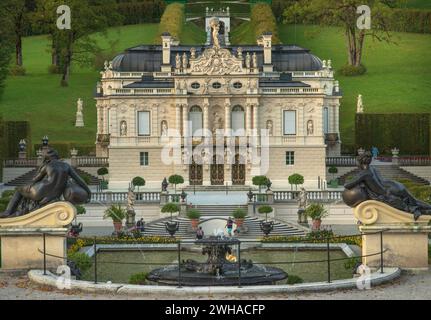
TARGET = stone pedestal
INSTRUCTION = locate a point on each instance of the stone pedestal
(164, 198)
(183, 209)
(250, 209)
(404, 239)
(22, 155)
(22, 238)
(79, 120)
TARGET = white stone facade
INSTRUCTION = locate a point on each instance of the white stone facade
(218, 82)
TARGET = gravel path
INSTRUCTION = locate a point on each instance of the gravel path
(408, 286)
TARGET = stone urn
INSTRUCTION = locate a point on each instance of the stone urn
(195, 223)
(266, 227)
(316, 224)
(118, 226)
(75, 229)
(172, 227)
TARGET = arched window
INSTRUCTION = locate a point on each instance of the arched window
(238, 120)
(325, 120)
(195, 117)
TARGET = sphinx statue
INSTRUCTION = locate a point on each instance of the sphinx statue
(54, 179)
(370, 185)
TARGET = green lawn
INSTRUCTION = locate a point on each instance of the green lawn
(398, 77)
(417, 4)
(38, 97)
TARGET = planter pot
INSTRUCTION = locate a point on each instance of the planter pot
(195, 223)
(266, 227)
(172, 227)
(118, 226)
(239, 222)
(316, 224)
(76, 229)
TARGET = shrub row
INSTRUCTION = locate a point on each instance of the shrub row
(172, 21)
(263, 20)
(383, 131)
(401, 20)
(11, 132)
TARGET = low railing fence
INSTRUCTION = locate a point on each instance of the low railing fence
(180, 246)
(14, 163)
(346, 161)
(92, 161)
(121, 197)
(323, 196)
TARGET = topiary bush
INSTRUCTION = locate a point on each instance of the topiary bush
(239, 213)
(296, 179)
(352, 71)
(138, 182)
(193, 214)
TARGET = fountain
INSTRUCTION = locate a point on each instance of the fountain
(221, 268)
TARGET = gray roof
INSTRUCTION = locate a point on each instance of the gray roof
(148, 58)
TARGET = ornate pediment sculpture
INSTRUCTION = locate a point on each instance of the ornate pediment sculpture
(216, 61)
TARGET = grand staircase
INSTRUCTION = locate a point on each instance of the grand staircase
(390, 172)
(27, 177)
(251, 226)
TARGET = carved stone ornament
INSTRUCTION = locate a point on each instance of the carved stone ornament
(216, 61)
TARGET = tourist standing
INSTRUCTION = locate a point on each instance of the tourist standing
(140, 225)
(199, 233)
(229, 226)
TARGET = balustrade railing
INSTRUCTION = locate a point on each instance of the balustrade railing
(92, 161)
(347, 161)
(121, 197)
(324, 196)
(415, 161)
(11, 163)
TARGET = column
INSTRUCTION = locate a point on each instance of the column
(178, 117)
(205, 115)
(185, 120)
(227, 113)
(256, 119)
(105, 120)
(248, 119)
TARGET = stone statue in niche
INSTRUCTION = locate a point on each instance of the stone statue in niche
(218, 122)
(123, 128)
(254, 60)
(270, 127)
(370, 185)
(178, 61)
(164, 128)
(248, 60)
(310, 127)
(185, 61)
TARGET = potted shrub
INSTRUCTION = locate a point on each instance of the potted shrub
(176, 179)
(171, 226)
(266, 226)
(117, 214)
(239, 215)
(260, 181)
(194, 215)
(295, 179)
(138, 182)
(316, 212)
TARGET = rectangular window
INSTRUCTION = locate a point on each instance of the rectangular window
(290, 158)
(143, 158)
(289, 118)
(144, 123)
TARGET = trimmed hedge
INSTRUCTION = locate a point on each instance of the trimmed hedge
(172, 21)
(263, 20)
(409, 132)
(11, 132)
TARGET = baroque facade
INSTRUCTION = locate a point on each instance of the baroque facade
(276, 103)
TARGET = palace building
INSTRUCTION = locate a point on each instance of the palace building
(277, 99)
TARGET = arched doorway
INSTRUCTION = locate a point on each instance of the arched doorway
(238, 171)
(238, 120)
(195, 117)
(217, 171)
(195, 173)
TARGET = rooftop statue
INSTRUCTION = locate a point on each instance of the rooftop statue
(370, 185)
(215, 26)
(54, 178)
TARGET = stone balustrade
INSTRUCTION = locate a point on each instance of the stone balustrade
(121, 197)
(13, 163)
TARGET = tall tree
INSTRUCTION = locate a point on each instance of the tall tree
(76, 44)
(17, 11)
(6, 44)
(344, 13)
